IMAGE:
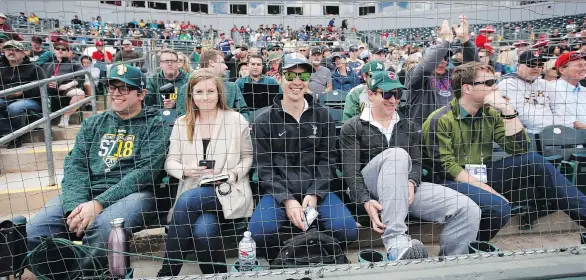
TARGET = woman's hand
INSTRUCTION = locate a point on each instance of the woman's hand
(195, 172)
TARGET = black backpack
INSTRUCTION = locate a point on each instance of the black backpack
(309, 248)
(13, 248)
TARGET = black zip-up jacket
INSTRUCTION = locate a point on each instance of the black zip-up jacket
(20, 75)
(360, 142)
(294, 159)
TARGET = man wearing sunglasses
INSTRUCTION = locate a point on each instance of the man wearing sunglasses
(127, 53)
(529, 94)
(110, 171)
(357, 98)
(294, 142)
(382, 168)
(569, 98)
(458, 151)
(16, 70)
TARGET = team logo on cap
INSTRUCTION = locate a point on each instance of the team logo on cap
(392, 76)
(121, 69)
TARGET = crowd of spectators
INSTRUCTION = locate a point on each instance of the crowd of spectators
(407, 109)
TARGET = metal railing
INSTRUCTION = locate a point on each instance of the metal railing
(47, 115)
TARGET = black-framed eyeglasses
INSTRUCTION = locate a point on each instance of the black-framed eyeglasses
(397, 93)
(122, 89)
(487, 83)
(291, 76)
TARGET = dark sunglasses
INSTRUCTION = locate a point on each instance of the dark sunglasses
(487, 83)
(397, 93)
(534, 64)
(61, 49)
(291, 76)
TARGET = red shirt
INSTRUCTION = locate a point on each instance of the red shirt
(99, 56)
(184, 26)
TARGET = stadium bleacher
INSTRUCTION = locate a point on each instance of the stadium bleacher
(28, 166)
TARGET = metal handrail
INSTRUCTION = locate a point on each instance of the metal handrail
(47, 115)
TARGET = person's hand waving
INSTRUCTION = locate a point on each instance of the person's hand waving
(463, 30)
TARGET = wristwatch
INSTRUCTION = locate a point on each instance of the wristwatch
(509, 117)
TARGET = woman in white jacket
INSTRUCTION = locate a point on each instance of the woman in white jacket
(209, 131)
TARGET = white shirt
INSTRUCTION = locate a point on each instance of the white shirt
(532, 102)
(387, 131)
(568, 102)
(305, 108)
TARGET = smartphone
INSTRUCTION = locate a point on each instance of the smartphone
(209, 164)
(310, 216)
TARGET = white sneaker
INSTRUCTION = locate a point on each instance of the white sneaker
(63, 124)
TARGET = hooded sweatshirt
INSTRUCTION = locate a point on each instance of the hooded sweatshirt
(427, 91)
(113, 158)
(154, 97)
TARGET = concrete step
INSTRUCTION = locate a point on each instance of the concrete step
(33, 157)
(26, 192)
(58, 133)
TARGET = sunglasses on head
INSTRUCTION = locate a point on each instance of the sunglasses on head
(290, 76)
(397, 93)
(487, 83)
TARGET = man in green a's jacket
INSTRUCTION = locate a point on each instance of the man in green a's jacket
(357, 97)
(110, 172)
(169, 74)
(214, 60)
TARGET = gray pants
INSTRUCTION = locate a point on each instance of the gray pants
(386, 177)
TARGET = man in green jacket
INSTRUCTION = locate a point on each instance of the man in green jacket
(458, 150)
(164, 88)
(357, 97)
(110, 172)
(214, 60)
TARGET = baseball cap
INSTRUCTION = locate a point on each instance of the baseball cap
(295, 59)
(2, 15)
(4, 37)
(384, 80)
(99, 43)
(61, 43)
(126, 42)
(365, 54)
(378, 50)
(333, 57)
(567, 57)
(530, 57)
(198, 46)
(373, 66)
(37, 39)
(13, 45)
(127, 74)
(274, 56)
(242, 46)
(353, 48)
(314, 50)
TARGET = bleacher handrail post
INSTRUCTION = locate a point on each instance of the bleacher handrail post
(47, 115)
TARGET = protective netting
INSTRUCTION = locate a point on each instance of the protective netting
(343, 136)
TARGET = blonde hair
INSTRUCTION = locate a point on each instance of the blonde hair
(410, 63)
(192, 110)
(186, 66)
(507, 58)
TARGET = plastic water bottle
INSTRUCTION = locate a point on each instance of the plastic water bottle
(118, 263)
(247, 253)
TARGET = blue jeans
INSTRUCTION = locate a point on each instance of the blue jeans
(137, 209)
(14, 113)
(195, 227)
(268, 217)
(530, 173)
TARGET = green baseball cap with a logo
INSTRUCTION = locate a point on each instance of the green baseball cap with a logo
(373, 66)
(385, 80)
(127, 74)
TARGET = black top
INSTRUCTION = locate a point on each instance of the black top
(206, 142)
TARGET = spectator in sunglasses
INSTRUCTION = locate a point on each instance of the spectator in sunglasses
(127, 53)
(529, 94)
(292, 178)
(458, 150)
(382, 168)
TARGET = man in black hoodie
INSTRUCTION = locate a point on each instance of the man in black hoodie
(16, 70)
(294, 147)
